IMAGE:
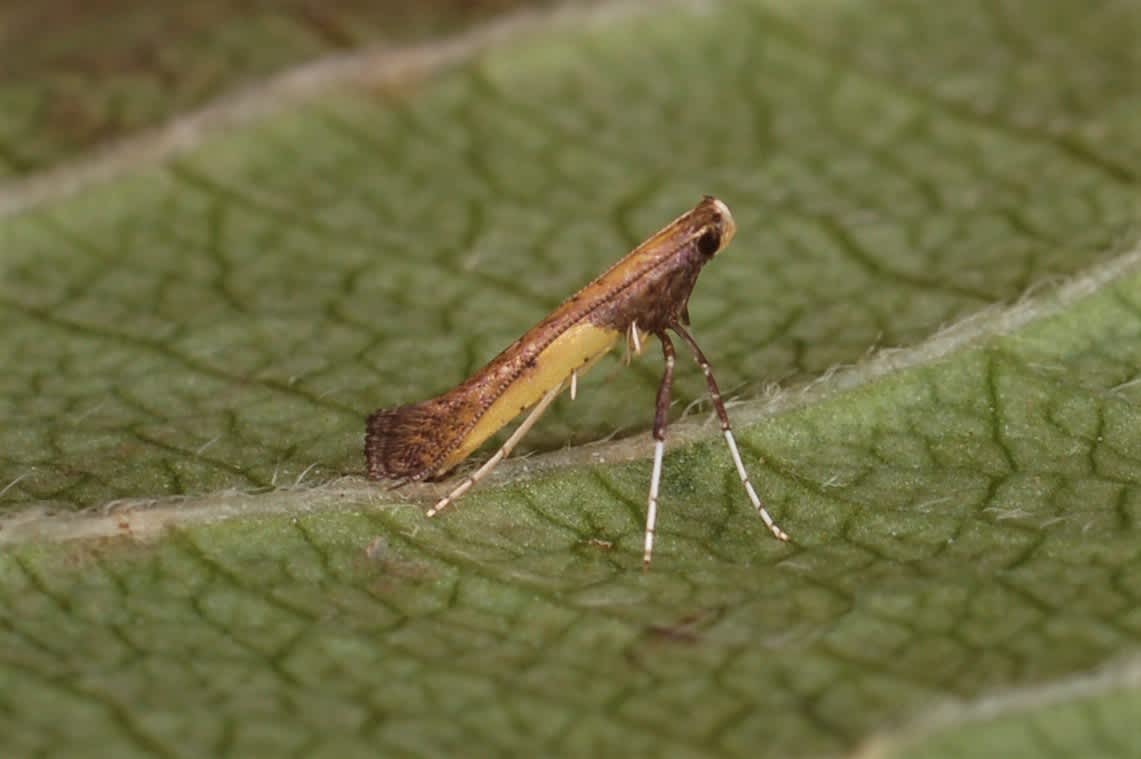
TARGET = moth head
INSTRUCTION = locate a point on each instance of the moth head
(718, 228)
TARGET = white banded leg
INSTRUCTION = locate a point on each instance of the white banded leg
(774, 528)
(723, 415)
(503, 452)
(661, 419)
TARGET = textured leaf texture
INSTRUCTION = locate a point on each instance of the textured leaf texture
(930, 323)
(64, 90)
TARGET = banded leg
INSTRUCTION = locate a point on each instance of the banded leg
(661, 419)
(503, 452)
(727, 431)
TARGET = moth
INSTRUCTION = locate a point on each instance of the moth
(645, 294)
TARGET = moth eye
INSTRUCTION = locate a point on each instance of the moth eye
(709, 242)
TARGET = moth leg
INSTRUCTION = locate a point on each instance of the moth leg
(727, 431)
(661, 419)
(633, 343)
(503, 452)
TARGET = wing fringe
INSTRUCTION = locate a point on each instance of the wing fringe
(404, 443)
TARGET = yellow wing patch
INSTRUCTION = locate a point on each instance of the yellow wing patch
(576, 349)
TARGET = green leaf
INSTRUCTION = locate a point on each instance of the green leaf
(64, 89)
(1086, 716)
(192, 564)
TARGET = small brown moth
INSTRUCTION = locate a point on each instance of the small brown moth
(645, 294)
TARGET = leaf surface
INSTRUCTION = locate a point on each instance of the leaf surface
(192, 565)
